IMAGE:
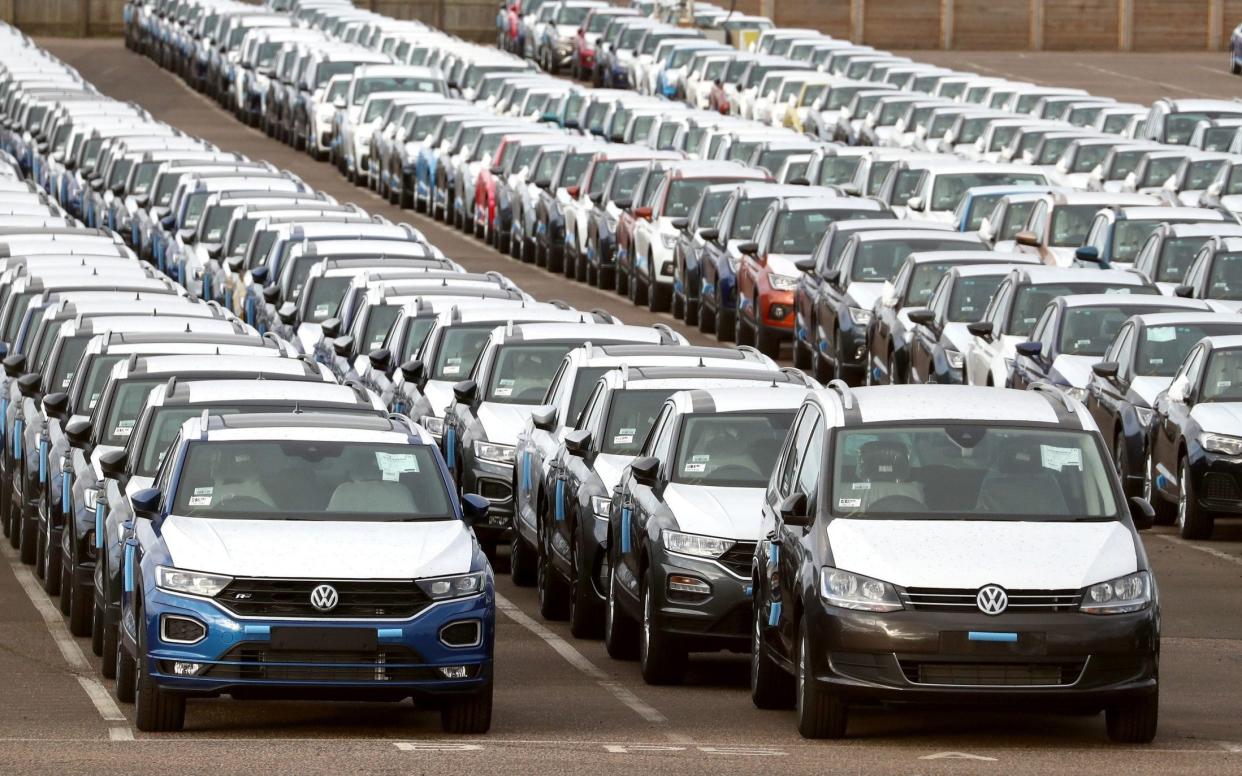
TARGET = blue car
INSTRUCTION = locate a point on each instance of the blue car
(305, 555)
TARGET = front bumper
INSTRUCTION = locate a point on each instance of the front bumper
(494, 482)
(1218, 480)
(720, 620)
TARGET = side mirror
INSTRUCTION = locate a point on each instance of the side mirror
(28, 385)
(259, 275)
(14, 365)
(799, 181)
(1088, 253)
(1026, 238)
(146, 503)
(474, 508)
(112, 464)
(331, 327)
(288, 313)
(646, 470)
(412, 370)
(1106, 369)
(1029, 349)
(338, 103)
(56, 405)
(186, 234)
(981, 329)
(578, 443)
(794, 511)
(1179, 389)
(806, 265)
(643, 212)
(78, 431)
(749, 248)
(465, 391)
(271, 294)
(709, 235)
(236, 263)
(832, 275)
(922, 316)
(1142, 513)
(544, 418)
(343, 346)
(380, 359)
(544, 183)
(680, 224)
(1184, 291)
(573, 191)
(915, 203)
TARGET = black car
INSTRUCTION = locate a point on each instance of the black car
(1195, 463)
(1138, 365)
(1216, 274)
(549, 216)
(939, 336)
(687, 277)
(1170, 250)
(616, 195)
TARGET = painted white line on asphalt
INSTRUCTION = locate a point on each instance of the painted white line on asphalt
(436, 746)
(583, 665)
(957, 756)
(1215, 553)
(103, 702)
(1230, 746)
(1128, 77)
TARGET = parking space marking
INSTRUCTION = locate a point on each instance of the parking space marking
(1215, 553)
(957, 756)
(1128, 77)
(436, 746)
(103, 702)
(584, 666)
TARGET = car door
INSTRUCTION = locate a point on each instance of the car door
(637, 501)
(801, 474)
(983, 350)
(1169, 415)
(565, 473)
(925, 338)
(1028, 370)
(1105, 397)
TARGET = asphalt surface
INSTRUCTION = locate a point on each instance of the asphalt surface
(562, 706)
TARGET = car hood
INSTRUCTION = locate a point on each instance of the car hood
(318, 548)
(1223, 417)
(864, 294)
(783, 263)
(711, 510)
(1225, 305)
(1074, 371)
(503, 422)
(439, 394)
(1064, 256)
(136, 484)
(609, 467)
(1148, 388)
(958, 336)
(1231, 202)
(972, 553)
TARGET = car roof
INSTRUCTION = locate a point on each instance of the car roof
(184, 365)
(580, 332)
(973, 257)
(1130, 300)
(258, 390)
(893, 234)
(1225, 341)
(1208, 316)
(1200, 229)
(309, 426)
(1164, 212)
(1044, 274)
(916, 403)
(718, 399)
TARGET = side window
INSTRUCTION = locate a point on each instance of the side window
(1044, 331)
(789, 467)
(590, 411)
(846, 260)
(1194, 278)
(656, 429)
(1124, 352)
(663, 438)
(809, 470)
(1099, 232)
(554, 388)
(1143, 261)
(999, 310)
(163, 477)
(940, 299)
(1194, 367)
(1036, 221)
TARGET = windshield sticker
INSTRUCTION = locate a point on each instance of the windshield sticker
(504, 391)
(1060, 457)
(1161, 334)
(623, 439)
(68, 379)
(1125, 291)
(323, 309)
(200, 501)
(862, 486)
(123, 428)
(700, 458)
(695, 467)
(849, 503)
(207, 491)
(393, 465)
(94, 400)
(1224, 383)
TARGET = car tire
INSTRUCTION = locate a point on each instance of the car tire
(659, 297)
(51, 569)
(623, 282)
(768, 341)
(110, 645)
(1193, 521)
(801, 354)
(1133, 721)
(522, 561)
(553, 599)
(639, 291)
(692, 311)
(28, 545)
(661, 659)
(679, 307)
(469, 715)
(771, 687)
(726, 325)
(126, 678)
(620, 632)
(1166, 512)
(743, 334)
(155, 710)
(76, 604)
(1234, 67)
(97, 620)
(585, 620)
(1121, 460)
(820, 713)
(707, 319)
(66, 587)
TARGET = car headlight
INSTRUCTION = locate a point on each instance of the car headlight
(434, 425)
(1077, 394)
(782, 282)
(860, 316)
(1117, 596)
(695, 544)
(954, 357)
(190, 582)
(854, 591)
(1144, 415)
(458, 586)
(600, 506)
(490, 451)
(669, 240)
(1221, 443)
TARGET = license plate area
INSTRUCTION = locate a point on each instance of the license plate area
(293, 639)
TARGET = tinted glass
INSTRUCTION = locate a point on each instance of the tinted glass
(732, 450)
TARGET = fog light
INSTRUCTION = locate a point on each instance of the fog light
(777, 312)
(667, 269)
(683, 584)
(859, 351)
(454, 672)
(462, 634)
(187, 669)
(181, 630)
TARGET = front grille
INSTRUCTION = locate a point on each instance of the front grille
(992, 674)
(257, 661)
(291, 598)
(738, 558)
(929, 599)
(1220, 486)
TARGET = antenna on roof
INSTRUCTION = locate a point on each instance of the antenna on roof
(297, 408)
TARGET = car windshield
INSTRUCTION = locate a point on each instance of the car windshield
(325, 298)
(572, 15)
(1162, 348)
(414, 337)
(377, 108)
(1088, 156)
(624, 181)
(162, 428)
(798, 231)
(1070, 224)
(97, 375)
(683, 194)
(948, 189)
(1052, 149)
(1218, 138)
(971, 472)
(710, 206)
(243, 230)
(523, 371)
(1129, 236)
(630, 416)
(311, 480)
(879, 260)
(1220, 379)
(1176, 256)
(971, 129)
(1225, 277)
(1200, 174)
(906, 183)
(126, 405)
(1160, 169)
(458, 350)
(1124, 164)
(837, 170)
(970, 296)
(980, 206)
(379, 324)
(1088, 331)
(771, 161)
(926, 277)
(731, 450)
(216, 221)
(747, 215)
(1015, 218)
(1178, 127)
(71, 350)
(1030, 300)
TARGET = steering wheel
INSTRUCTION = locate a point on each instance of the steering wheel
(897, 503)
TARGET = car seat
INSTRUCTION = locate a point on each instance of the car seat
(1021, 484)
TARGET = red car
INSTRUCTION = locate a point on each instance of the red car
(718, 99)
(490, 224)
(583, 62)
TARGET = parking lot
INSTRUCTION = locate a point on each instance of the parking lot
(562, 703)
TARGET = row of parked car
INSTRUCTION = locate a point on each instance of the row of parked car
(952, 268)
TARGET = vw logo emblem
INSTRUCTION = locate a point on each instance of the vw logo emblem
(325, 599)
(992, 599)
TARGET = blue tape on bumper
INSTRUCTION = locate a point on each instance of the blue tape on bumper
(264, 631)
(774, 614)
(625, 529)
(1007, 638)
(43, 462)
(560, 501)
(129, 568)
(450, 446)
(526, 470)
(66, 493)
(17, 439)
(99, 515)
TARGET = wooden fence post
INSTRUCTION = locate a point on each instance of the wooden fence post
(858, 12)
(946, 24)
(1125, 25)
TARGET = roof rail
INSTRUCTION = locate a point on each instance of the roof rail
(170, 387)
(560, 304)
(204, 419)
(667, 335)
(1056, 391)
(844, 391)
